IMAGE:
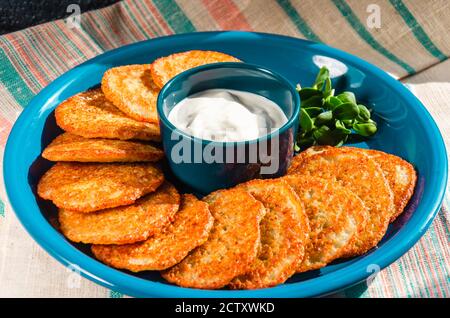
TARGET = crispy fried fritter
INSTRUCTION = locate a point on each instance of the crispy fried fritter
(284, 235)
(232, 244)
(126, 224)
(91, 115)
(362, 176)
(189, 229)
(70, 147)
(88, 187)
(401, 176)
(298, 159)
(165, 68)
(335, 216)
(131, 89)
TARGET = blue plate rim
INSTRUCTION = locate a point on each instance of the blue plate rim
(54, 243)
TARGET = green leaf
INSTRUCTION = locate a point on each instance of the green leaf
(347, 97)
(365, 129)
(348, 122)
(323, 118)
(331, 120)
(321, 78)
(306, 123)
(313, 101)
(328, 90)
(342, 128)
(331, 102)
(308, 92)
(325, 136)
(346, 111)
(313, 111)
(320, 132)
(305, 142)
(364, 113)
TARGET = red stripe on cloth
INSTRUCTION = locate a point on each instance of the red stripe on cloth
(162, 23)
(126, 24)
(55, 49)
(52, 53)
(433, 261)
(424, 265)
(26, 59)
(142, 20)
(79, 39)
(227, 15)
(59, 42)
(103, 38)
(111, 17)
(36, 57)
(5, 128)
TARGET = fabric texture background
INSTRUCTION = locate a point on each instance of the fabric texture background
(412, 44)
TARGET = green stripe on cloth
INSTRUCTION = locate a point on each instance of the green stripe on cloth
(356, 24)
(417, 30)
(2, 208)
(13, 81)
(133, 17)
(441, 215)
(154, 25)
(173, 14)
(301, 24)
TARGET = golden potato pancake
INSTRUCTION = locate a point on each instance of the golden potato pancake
(123, 225)
(231, 247)
(362, 176)
(88, 187)
(335, 216)
(284, 235)
(299, 158)
(70, 147)
(163, 250)
(131, 89)
(165, 68)
(401, 176)
(91, 115)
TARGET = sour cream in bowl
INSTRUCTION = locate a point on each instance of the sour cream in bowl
(226, 123)
(227, 115)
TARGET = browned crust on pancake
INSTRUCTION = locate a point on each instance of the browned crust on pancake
(231, 247)
(363, 176)
(88, 187)
(335, 216)
(401, 176)
(70, 147)
(165, 68)
(91, 115)
(189, 229)
(299, 158)
(284, 234)
(123, 225)
(131, 89)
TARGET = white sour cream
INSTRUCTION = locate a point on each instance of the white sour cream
(227, 115)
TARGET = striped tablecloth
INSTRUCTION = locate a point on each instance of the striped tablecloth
(410, 39)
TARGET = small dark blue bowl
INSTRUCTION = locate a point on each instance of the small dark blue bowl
(205, 165)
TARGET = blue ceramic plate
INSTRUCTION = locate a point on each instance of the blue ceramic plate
(406, 129)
